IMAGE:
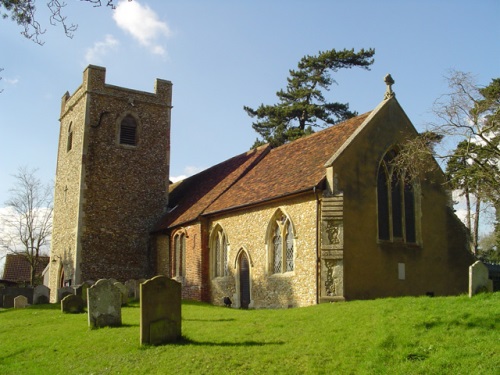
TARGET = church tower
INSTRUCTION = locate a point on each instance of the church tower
(111, 180)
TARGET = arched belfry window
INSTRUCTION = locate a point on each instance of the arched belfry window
(179, 256)
(281, 244)
(128, 131)
(395, 202)
(219, 252)
(69, 143)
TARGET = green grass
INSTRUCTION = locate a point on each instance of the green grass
(441, 335)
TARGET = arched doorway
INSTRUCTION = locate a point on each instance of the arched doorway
(244, 268)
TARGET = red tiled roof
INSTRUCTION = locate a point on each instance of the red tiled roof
(258, 175)
(190, 197)
(17, 268)
(292, 168)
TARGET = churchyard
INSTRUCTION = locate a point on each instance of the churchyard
(423, 335)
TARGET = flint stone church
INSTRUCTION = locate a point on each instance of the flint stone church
(320, 219)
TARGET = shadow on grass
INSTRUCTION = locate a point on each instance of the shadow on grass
(187, 341)
(465, 321)
(209, 320)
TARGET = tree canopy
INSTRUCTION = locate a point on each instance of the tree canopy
(23, 12)
(302, 105)
(468, 116)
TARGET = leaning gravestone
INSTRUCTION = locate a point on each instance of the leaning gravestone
(160, 311)
(104, 305)
(41, 295)
(123, 291)
(20, 302)
(478, 279)
(72, 304)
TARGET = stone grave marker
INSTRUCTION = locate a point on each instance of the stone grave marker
(20, 302)
(81, 290)
(63, 292)
(160, 311)
(133, 289)
(104, 305)
(72, 304)
(41, 295)
(8, 301)
(478, 279)
(123, 291)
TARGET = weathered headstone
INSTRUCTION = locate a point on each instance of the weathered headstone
(64, 291)
(41, 295)
(133, 289)
(8, 301)
(104, 305)
(81, 290)
(478, 279)
(123, 291)
(20, 302)
(72, 304)
(160, 311)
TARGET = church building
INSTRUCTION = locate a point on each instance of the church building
(320, 219)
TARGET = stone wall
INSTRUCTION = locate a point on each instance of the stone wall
(246, 231)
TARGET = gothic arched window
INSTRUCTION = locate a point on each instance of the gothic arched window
(219, 247)
(395, 203)
(281, 244)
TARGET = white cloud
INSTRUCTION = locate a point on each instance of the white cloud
(143, 24)
(12, 81)
(100, 49)
(188, 171)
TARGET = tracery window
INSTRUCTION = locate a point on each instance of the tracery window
(281, 244)
(219, 253)
(179, 261)
(395, 203)
(128, 131)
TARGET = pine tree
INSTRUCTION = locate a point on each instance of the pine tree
(303, 106)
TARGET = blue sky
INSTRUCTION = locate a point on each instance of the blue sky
(222, 55)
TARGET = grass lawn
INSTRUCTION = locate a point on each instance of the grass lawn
(440, 335)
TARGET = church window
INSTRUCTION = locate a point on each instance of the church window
(282, 245)
(219, 253)
(69, 144)
(395, 203)
(128, 131)
(179, 261)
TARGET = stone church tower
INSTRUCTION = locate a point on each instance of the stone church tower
(111, 180)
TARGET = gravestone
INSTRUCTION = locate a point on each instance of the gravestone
(81, 290)
(72, 304)
(20, 302)
(478, 279)
(104, 305)
(41, 295)
(133, 289)
(8, 301)
(64, 291)
(15, 291)
(160, 311)
(123, 291)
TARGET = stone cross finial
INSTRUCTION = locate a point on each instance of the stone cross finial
(389, 82)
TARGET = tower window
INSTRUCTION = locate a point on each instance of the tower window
(69, 144)
(128, 131)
